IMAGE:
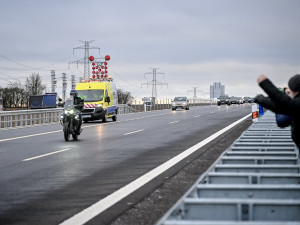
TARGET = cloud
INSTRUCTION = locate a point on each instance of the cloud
(195, 43)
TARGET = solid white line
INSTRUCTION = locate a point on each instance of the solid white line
(32, 135)
(174, 122)
(105, 203)
(197, 116)
(133, 132)
(40, 156)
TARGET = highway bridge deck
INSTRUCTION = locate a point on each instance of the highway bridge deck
(255, 181)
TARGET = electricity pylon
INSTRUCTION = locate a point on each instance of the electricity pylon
(154, 82)
(53, 81)
(195, 92)
(85, 61)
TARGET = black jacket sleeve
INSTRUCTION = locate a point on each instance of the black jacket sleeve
(267, 103)
(286, 104)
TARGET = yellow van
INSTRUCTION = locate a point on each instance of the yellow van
(100, 100)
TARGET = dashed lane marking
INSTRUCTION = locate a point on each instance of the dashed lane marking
(174, 122)
(133, 132)
(40, 156)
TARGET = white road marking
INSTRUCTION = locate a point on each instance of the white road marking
(40, 156)
(197, 116)
(56, 131)
(32, 135)
(133, 132)
(174, 122)
(105, 203)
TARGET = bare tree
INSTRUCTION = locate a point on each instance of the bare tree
(124, 97)
(33, 85)
(14, 95)
(17, 95)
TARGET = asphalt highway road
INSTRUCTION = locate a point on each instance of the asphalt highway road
(45, 180)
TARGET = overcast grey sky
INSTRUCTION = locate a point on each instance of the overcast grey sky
(194, 42)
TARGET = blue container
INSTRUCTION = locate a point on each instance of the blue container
(36, 101)
(49, 101)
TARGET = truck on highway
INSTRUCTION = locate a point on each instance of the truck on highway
(100, 99)
(47, 100)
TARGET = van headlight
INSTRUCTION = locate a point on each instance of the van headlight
(99, 105)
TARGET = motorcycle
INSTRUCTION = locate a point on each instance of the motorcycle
(71, 120)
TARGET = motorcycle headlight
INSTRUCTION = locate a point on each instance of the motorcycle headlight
(69, 111)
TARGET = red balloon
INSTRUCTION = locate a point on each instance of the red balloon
(107, 57)
(91, 58)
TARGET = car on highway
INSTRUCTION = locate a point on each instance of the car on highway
(233, 100)
(240, 100)
(223, 99)
(180, 102)
(248, 100)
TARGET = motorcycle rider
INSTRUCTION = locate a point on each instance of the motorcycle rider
(78, 104)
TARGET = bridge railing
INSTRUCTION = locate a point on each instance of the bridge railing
(20, 118)
(255, 181)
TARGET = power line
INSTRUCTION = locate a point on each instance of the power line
(30, 67)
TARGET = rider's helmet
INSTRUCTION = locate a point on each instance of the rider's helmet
(73, 92)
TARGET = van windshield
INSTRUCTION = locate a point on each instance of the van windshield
(91, 95)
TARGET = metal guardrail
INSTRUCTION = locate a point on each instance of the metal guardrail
(125, 109)
(255, 181)
(21, 118)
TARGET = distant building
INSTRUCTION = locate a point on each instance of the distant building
(216, 90)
